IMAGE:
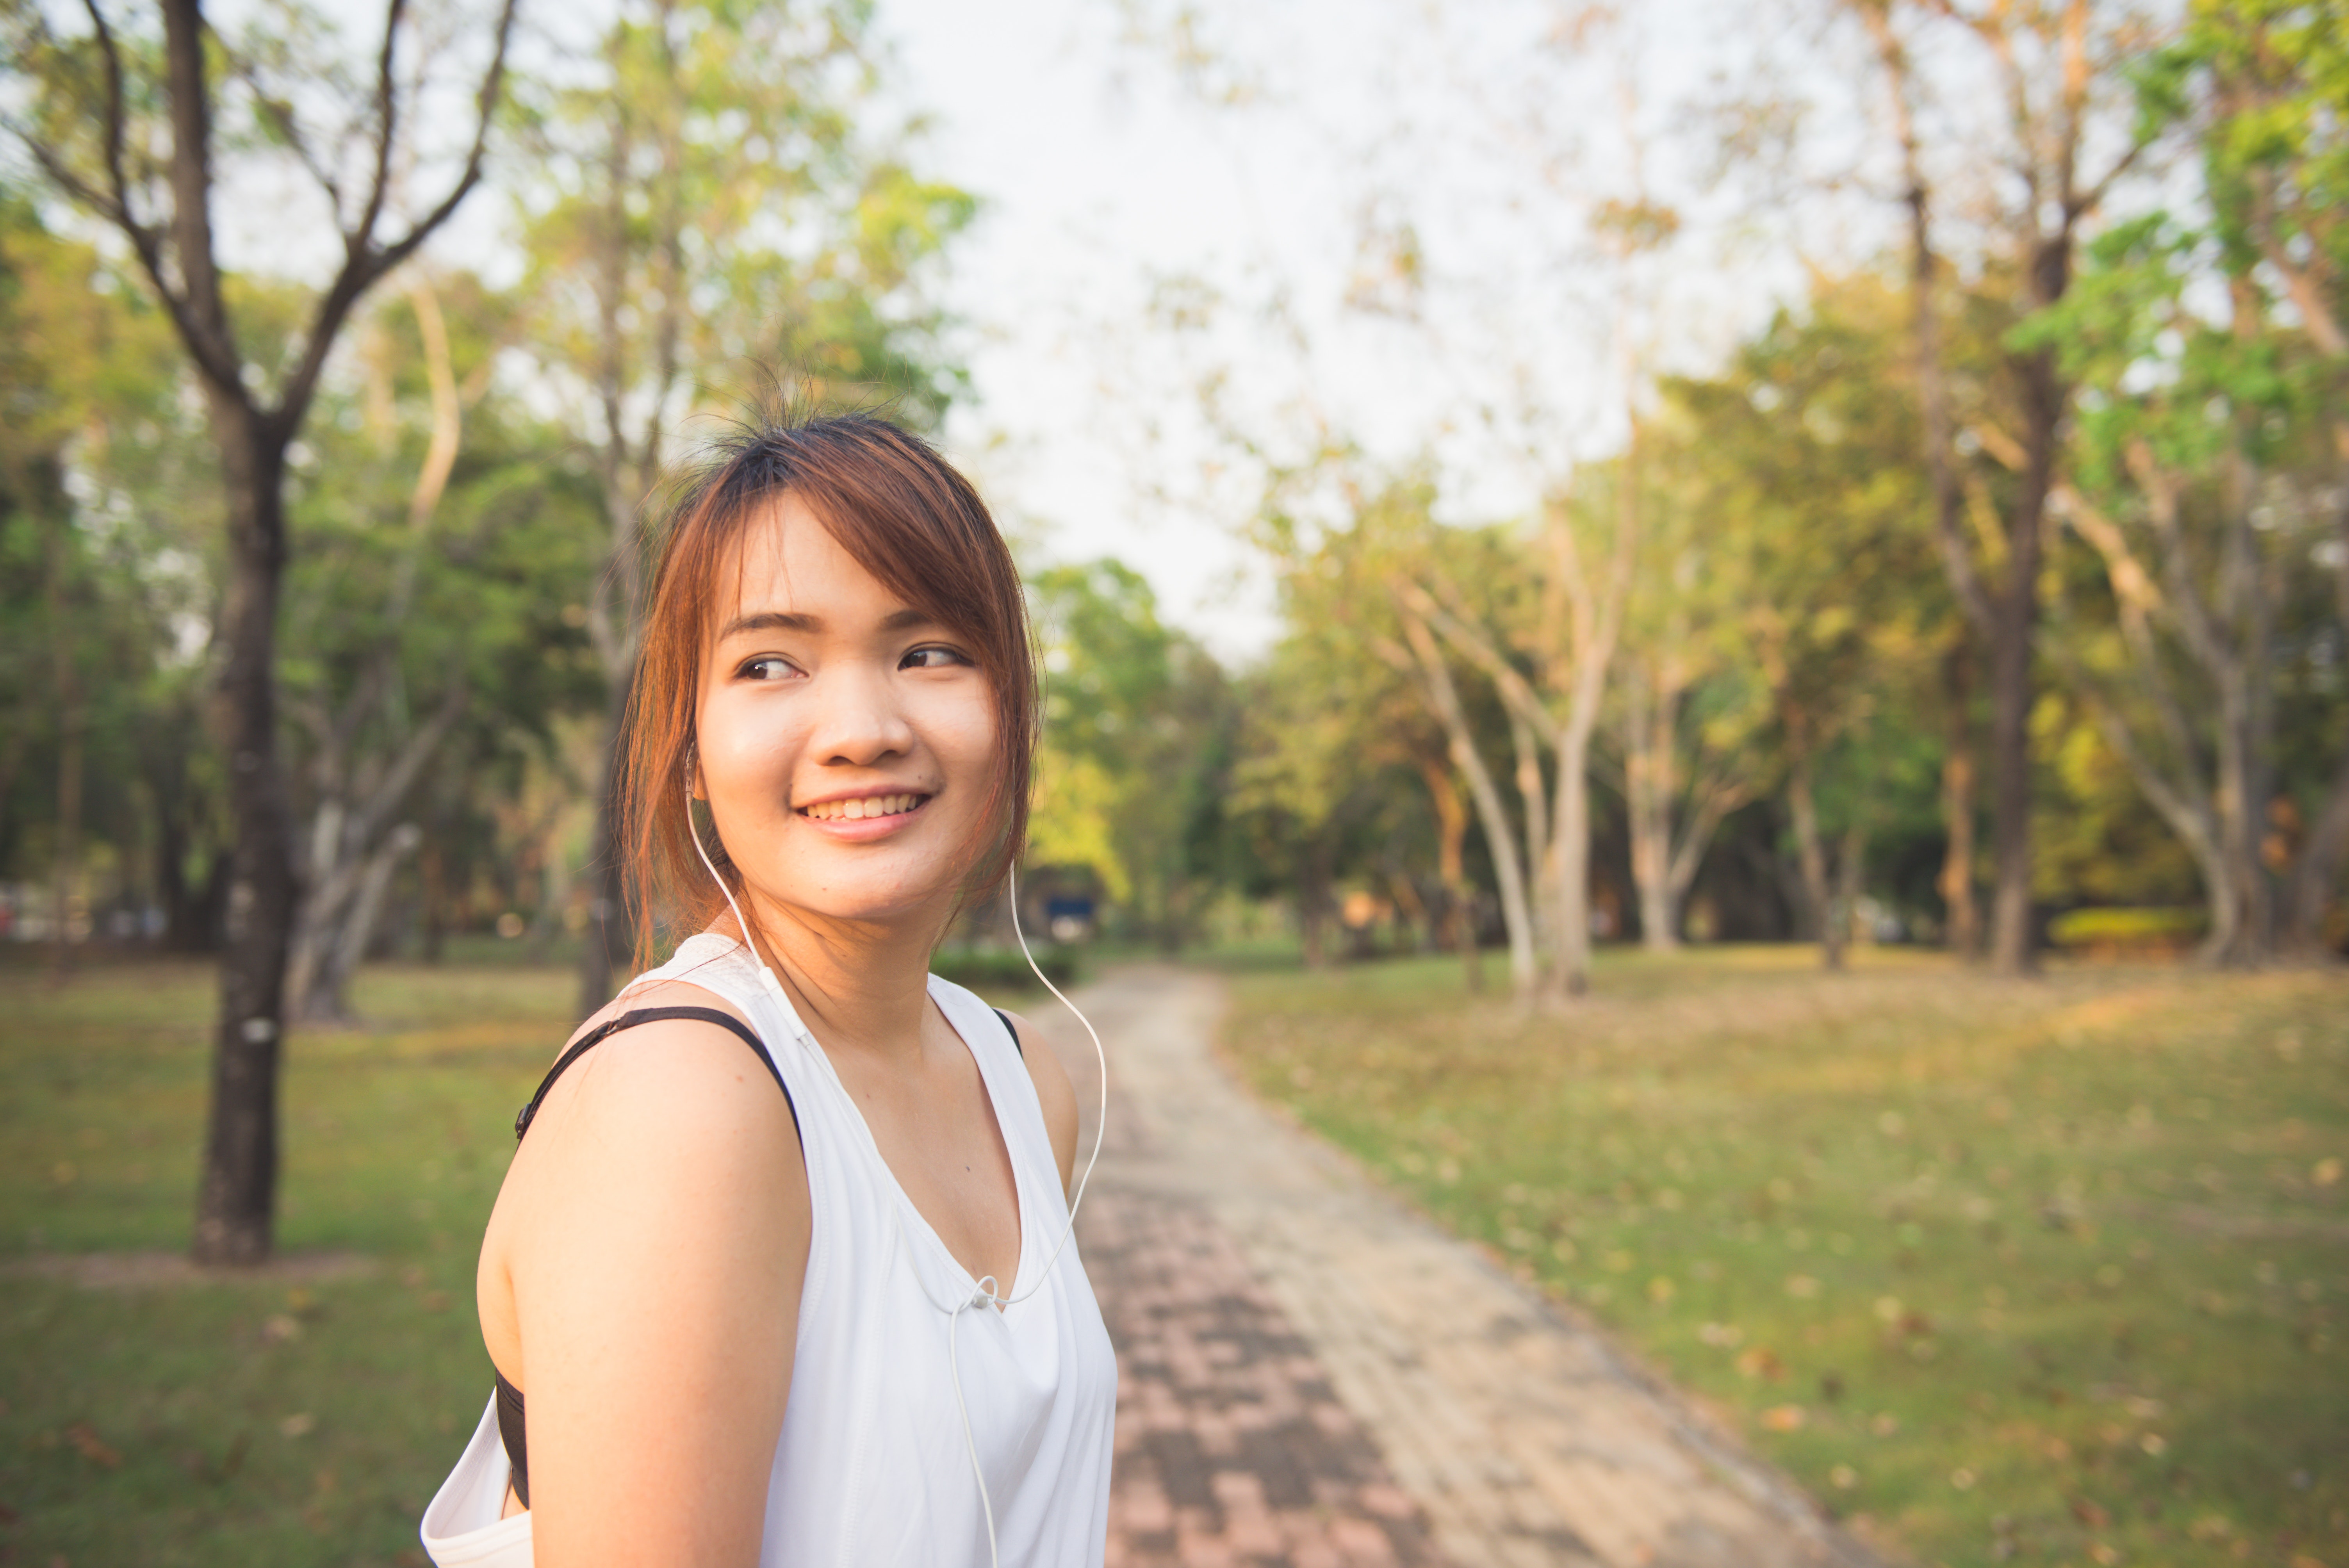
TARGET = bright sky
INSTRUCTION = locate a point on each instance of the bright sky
(1283, 168)
(1360, 222)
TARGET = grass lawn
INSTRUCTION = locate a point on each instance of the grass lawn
(2047, 1273)
(249, 1424)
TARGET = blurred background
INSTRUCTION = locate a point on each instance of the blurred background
(1828, 515)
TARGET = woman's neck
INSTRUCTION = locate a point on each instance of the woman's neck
(859, 984)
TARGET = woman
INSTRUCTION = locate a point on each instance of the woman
(835, 1324)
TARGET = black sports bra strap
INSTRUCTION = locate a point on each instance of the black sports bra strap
(605, 1030)
(1009, 1030)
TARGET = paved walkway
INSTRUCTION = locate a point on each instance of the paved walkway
(1313, 1376)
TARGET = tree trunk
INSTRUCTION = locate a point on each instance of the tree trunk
(2012, 689)
(2246, 709)
(1649, 734)
(1851, 879)
(1957, 879)
(73, 722)
(1532, 799)
(1508, 871)
(2316, 873)
(357, 929)
(2012, 686)
(1811, 853)
(237, 1196)
(1313, 903)
(2010, 935)
(1570, 854)
(1450, 864)
(610, 939)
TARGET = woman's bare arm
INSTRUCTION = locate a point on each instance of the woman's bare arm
(653, 1230)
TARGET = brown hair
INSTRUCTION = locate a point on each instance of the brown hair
(904, 515)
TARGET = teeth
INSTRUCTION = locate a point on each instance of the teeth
(857, 810)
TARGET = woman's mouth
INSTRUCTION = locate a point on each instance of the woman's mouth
(865, 808)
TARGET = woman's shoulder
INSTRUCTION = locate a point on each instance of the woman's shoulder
(702, 973)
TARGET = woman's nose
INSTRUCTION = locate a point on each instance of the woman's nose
(858, 721)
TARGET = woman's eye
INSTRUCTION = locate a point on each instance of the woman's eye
(932, 659)
(769, 668)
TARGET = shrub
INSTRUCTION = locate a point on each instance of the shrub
(2162, 930)
(990, 970)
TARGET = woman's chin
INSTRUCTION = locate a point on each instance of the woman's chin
(918, 907)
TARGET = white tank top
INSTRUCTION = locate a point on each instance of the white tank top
(872, 1469)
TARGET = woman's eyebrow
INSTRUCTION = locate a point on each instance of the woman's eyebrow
(770, 621)
(791, 621)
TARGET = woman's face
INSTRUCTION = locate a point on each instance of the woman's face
(845, 741)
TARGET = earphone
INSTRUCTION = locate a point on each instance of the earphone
(986, 1289)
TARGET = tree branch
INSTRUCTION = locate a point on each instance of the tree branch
(113, 57)
(2161, 506)
(1516, 691)
(364, 263)
(1933, 388)
(2308, 298)
(360, 240)
(281, 115)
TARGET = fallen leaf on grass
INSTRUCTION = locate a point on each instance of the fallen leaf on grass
(91, 1447)
(1760, 1362)
(2090, 1513)
(1783, 1419)
(298, 1426)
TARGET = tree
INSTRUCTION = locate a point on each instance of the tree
(446, 543)
(86, 627)
(1570, 643)
(2265, 87)
(1135, 713)
(1332, 736)
(708, 197)
(2057, 67)
(356, 839)
(124, 125)
(1686, 711)
(2205, 460)
(1800, 447)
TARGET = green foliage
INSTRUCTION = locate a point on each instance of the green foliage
(1328, 789)
(716, 198)
(104, 567)
(1816, 565)
(1136, 725)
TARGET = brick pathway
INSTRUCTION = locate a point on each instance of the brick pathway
(1312, 1376)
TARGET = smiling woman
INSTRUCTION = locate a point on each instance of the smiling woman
(738, 1313)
